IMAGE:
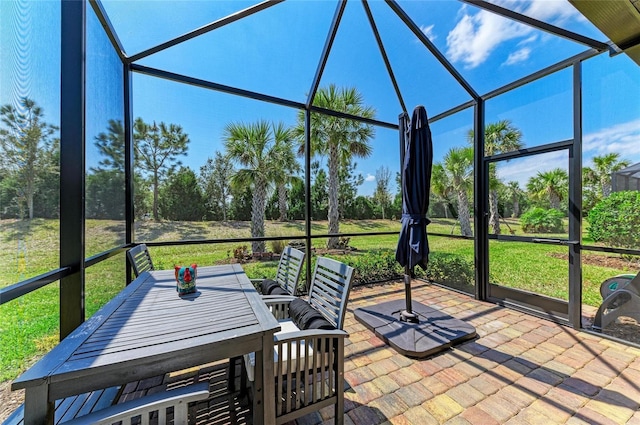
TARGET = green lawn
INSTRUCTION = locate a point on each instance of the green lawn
(29, 325)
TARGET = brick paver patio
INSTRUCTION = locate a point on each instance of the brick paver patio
(519, 370)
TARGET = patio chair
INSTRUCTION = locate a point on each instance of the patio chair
(138, 411)
(285, 283)
(309, 350)
(618, 282)
(621, 298)
(140, 259)
(287, 274)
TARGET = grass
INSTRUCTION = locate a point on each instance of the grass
(29, 325)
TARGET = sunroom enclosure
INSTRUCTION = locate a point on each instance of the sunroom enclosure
(98, 103)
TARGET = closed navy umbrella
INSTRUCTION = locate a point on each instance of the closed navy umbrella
(413, 246)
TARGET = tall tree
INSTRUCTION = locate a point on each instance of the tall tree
(319, 192)
(182, 198)
(514, 192)
(26, 146)
(288, 165)
(338, 139)
(110, 144)
(382, 194)
(499, 137)
(215, 177)
(549, 185)
(603, 167)
(105, 183)
(458, 163)
(441, 188)
(253, 146)
(157, 148)
(348, 188)
(296, 201)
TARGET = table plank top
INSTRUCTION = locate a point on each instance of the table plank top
(148, 322)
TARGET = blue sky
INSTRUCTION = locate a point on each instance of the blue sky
(276, 52)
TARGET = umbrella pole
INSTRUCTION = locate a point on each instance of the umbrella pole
(407, 315)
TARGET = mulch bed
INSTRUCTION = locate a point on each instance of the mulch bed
(614, 262)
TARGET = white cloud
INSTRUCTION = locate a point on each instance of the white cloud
(552, 11)
(476, 36)
(370, 178)
(428, 31)
(518, 56)
(521, 170)
(622, 138)
(528, 40)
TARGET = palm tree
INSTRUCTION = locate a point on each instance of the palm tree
(499, 137)
(603, 167)
(288, 165)
(339, 139)
(514, 192)
(253, 146)
(552, 185)
(441, 189)
(458, 165)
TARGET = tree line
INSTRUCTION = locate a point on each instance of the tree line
(452, 182)
(258, 176)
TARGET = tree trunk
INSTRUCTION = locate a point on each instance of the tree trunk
(257, 215)
(606, 187)
(155, 196)
(282, 202)
(30, 201)
(494, 218)
(554, 200)
(463, 214)
(516, 208)
(333, 214)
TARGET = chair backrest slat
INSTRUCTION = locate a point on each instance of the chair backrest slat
(140, 259)
(330, 287)
(289, 268)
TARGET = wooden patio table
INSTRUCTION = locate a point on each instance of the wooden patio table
(148, 330)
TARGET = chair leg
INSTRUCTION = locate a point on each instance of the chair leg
(243, 377)
(231, 383)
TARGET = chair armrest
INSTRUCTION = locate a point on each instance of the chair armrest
(620, 302)
(308, 334)
(178, 399)
(278, 299)
(278, 305)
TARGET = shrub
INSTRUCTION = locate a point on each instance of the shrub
(373, 266)
(451, 270)
(278, 246)
(615, 220)
(540, 220)
(380, 265)
(240, 253)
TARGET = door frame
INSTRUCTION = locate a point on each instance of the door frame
(567, 312)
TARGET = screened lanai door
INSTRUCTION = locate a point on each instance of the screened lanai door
(533, 231)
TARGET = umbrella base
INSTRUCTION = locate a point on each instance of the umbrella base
(434, 332)
(407, 316)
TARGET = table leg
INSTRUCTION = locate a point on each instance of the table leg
(37, 408)
(268, 382)
(258, 389)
